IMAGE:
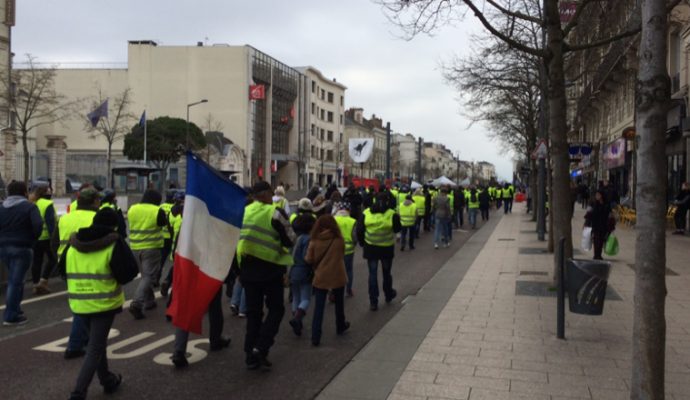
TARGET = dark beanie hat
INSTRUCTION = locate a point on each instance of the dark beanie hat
(106, 217)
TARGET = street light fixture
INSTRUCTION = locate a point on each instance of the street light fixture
(187, 125)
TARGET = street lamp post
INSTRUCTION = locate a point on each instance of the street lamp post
(187, 125)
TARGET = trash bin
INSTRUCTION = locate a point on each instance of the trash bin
(586, 282)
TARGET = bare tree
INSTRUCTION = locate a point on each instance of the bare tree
(33, 101)
(652, 101)
(114, 126)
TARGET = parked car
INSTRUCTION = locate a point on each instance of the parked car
(72, 185)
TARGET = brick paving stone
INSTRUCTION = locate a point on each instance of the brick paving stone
(498, 384)
(512, 374)
(485, 394)
(455, 392)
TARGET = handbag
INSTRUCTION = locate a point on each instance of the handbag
(586, 242)
(611, 248)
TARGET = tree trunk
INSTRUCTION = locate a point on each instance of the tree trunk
(653, 98)
(109, 174)
(550, 231)
(25, 152)
(560, 185)
(533, 188)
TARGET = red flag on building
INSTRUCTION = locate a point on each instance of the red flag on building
(257, 92)
(274, 166)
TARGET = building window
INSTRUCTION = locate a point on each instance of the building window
(342, 101)
(330, 116)
(323, 94)
(313, 108)
(322, 133)
(313, 129)
(329, 155)
(323, 114)
(322, 154)
(341, 119)
(340, 156)
(313, 151)
(313, 87)
(330, 97)
(330, 136)
(341, 137)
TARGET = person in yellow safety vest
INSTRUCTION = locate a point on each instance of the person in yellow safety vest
(394, 191)
(96, 263)
(75, 204)
(146, 241)
(408, 220)
(401, 196)
(511, 188)
(347, 226)
(472, 197)
(175, 221)
(88, 203)
(451, 202)
(167, 234)
(376, 233)
(499, 197)
(507, 197)
(263, 257)
(279, 199)
(39, 272)
(304, 206)
(420, 202)
(109, 200)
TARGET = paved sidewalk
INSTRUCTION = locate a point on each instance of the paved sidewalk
(490, 343)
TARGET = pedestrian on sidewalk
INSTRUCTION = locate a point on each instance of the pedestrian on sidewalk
(301, 273)
(484, 203)
(40, 271)
(20, 227)
(600, 219)
(96, 262)
(682, 204)
(325, 254)
(458, 207)
(442, 212)
(472, 197)
(347, 225)
(376, 233)
(420, 202)
(408, 218)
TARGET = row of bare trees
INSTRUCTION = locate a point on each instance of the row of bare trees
(522, 63)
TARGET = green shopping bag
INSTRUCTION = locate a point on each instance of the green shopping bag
(611, 247)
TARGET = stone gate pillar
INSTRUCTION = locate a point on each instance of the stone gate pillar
(8, 147)
(57, 159)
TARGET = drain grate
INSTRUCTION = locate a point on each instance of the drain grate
(506, 239)
(544, 289)
(532, 250)
(541, 273)
(669, 271)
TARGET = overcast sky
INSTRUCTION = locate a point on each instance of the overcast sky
(352, 41)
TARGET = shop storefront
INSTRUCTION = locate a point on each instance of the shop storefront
(676, 162)
(617, 160)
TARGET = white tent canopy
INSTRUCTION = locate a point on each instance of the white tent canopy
(415, 185)
(442, 180)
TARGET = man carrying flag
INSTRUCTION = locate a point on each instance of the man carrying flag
(263, 257)
(100, 112)
(212, 218)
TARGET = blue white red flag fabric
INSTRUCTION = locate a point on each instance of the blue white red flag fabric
(211, 222)
(100, 112)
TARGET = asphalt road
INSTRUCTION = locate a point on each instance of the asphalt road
(33, 367)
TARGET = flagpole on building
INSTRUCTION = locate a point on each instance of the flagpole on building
(145, 159)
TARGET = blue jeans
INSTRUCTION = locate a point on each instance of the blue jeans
(440, 232)
(78, 335)
(407, 230)
(349, 260)
(386, 266)
(319, 306)
(449, 229)
(239, 299)
(18, 260)
(506, 206)
(301, 295)
(473, 217)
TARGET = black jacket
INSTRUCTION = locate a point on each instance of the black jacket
(20, 222)
(123, 265)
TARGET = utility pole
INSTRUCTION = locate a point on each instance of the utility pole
(419, 161)
(388, 150)
(543, 135)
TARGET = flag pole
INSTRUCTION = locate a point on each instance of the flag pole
(145, 159)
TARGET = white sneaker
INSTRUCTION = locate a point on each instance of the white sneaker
(435, 246)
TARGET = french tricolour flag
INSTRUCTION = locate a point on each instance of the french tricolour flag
(211, 222)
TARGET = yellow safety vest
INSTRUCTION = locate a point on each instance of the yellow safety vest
(379, 228)
(470, 203)
(258, 238)
(43, 205)
(72, 207)
(280, 203)
(71, 223)
(420, 202)
(166, 207)
(176, 223)
(451, 199)
(144, 232)
(408, 214)
(91, 286)
(108, 205)
(346, 225)
(507, 194)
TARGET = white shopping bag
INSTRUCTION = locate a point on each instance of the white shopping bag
(586, 239)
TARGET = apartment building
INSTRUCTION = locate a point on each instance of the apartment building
(404, 155)
(324, 125)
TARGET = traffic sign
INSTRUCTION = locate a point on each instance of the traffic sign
(541, 151)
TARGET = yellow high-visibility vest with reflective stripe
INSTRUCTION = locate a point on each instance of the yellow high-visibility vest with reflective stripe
(176, 223)
(72, 207)
(378, 228)
(470, 203)
(258, 238)
(166, 207)
(71, 223)
(408, 214)
(451, 199)
(346, 225)
(43, 205)
(91, 287)
(420, 202)
(144, 232)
